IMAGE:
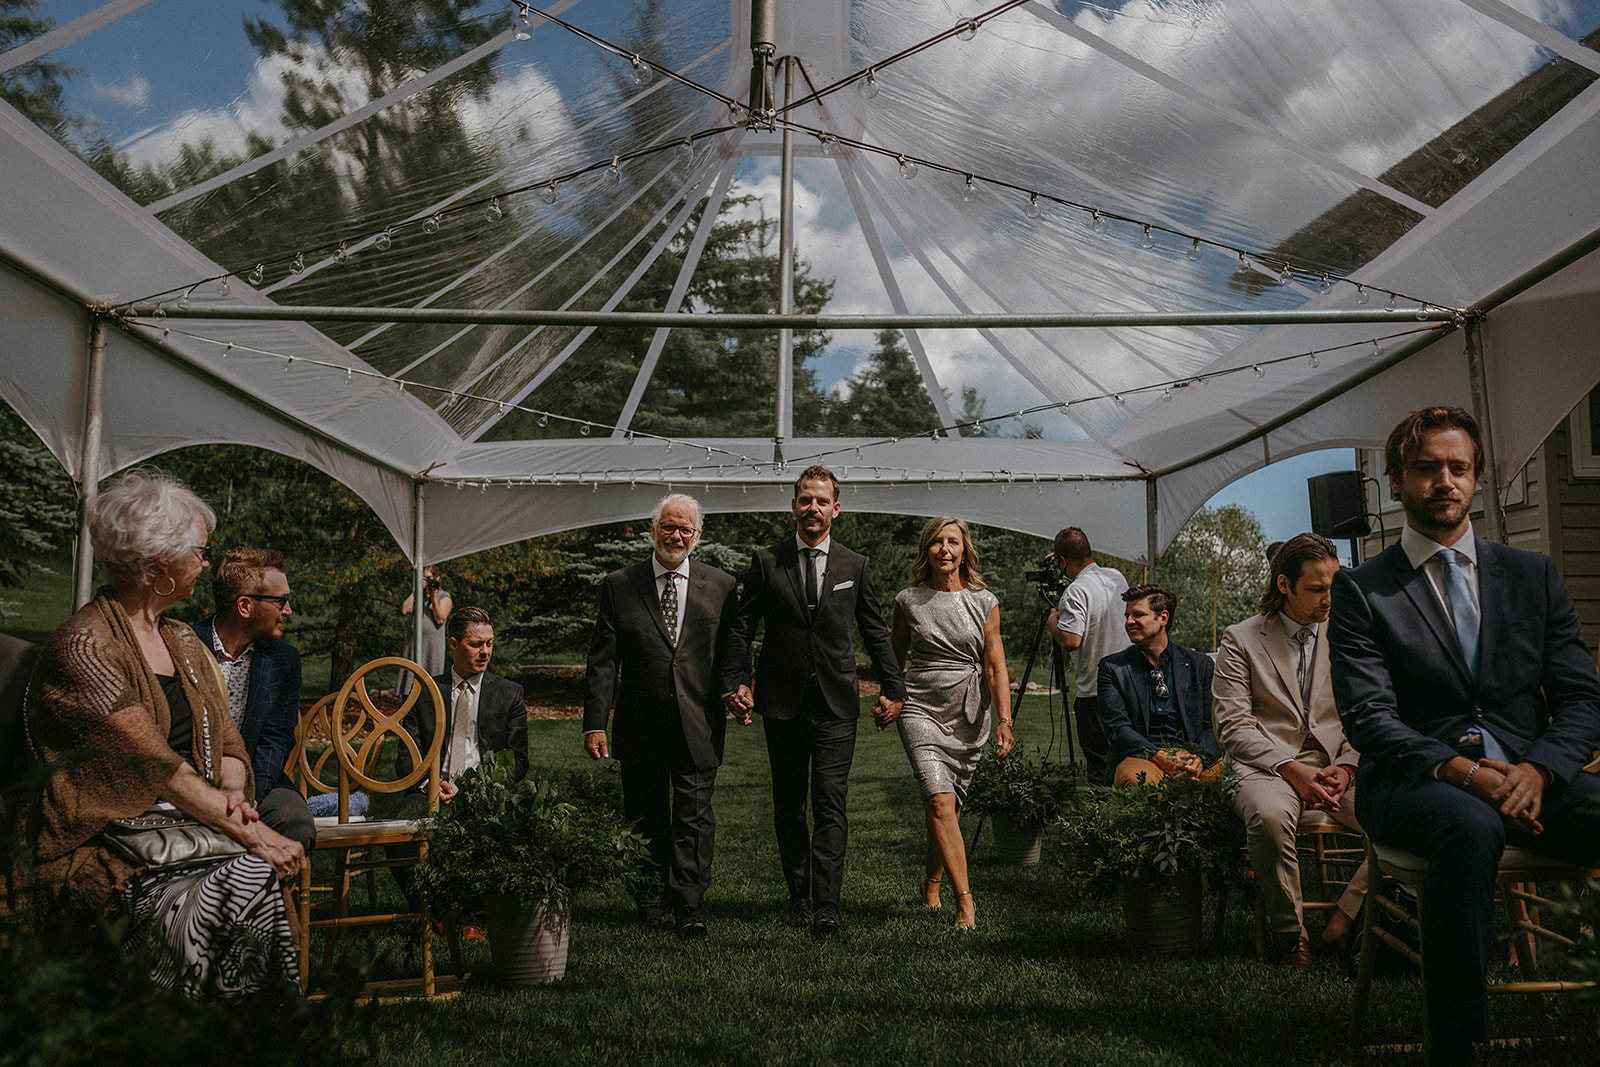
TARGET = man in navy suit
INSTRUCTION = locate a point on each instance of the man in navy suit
(1155, 697)
(654, 654)
(262, 670)
(1461, 676)
(811, 592)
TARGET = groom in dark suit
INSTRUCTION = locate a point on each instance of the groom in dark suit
(654, 655)
(810, 591)
(1462, 679)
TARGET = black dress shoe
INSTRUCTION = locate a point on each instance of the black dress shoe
(800, 911)
(825, 923)
(690, 926)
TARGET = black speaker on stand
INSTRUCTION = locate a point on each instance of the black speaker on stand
(1339, 507)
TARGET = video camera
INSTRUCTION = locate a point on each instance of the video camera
(1050, 582)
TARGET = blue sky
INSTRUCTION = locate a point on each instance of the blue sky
(1278, 496)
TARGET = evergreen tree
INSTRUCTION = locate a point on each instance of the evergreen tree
(886, 397)
(37, 503)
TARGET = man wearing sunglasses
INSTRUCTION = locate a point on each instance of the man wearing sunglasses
(1155, 698)
(262, 670)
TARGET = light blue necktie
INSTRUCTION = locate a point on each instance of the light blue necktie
(1462, 607)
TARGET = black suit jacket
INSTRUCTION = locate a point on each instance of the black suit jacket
(667, 698)
(1401, 681)
(798, 645)
(271, 707)
(1123, 691)
(502, 721)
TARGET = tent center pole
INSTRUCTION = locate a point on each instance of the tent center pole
(89, 463)
(785, 398)
(1150, 529)
(419, 598)
(1494, 518)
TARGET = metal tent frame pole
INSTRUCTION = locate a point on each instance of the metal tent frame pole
(89, 463)
(419, 602)
(785, 398)
(1152, 531)
(1494, 518)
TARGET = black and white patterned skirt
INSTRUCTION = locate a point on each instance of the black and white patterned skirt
(218, 930)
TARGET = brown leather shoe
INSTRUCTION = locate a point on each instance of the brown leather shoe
(1293, 950)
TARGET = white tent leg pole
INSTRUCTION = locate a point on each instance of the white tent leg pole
(1494, 519)
(785, 424)
(1151, 534)
(419, 600)
(89, 464)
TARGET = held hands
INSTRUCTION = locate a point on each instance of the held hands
(739, 704)
(886, 711)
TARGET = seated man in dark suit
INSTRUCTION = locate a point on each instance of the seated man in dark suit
(1461, 676)
(483, 713)
(1155, 698)
(262, 670)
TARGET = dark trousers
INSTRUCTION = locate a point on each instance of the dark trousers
(285, 811)
(669, 803)
(811, 753)
(1462, 838)
(1091, 737)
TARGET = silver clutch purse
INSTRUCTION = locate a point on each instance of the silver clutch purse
(159, 842)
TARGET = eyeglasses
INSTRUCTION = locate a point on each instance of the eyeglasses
(204, 552)
(1158, 682)
(668, 529)
(281, 601)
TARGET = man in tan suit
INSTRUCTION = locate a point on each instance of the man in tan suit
(1276, 721)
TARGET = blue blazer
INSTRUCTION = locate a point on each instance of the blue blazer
(1123, 691)
(1401, 681)
(271, 709)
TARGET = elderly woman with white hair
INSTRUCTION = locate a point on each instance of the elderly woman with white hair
(129, 713)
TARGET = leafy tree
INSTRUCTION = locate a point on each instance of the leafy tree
(1217, 567)
(887, 396)
(38, 512)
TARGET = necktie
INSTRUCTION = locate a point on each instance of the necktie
(1462, 607)
(456, 757)
(811, 577)
(1303, 637)
(669, 606)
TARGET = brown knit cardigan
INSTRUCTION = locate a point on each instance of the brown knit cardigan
(96, 712)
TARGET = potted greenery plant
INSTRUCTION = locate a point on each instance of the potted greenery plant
(1153, 845)
(1020, 794)
(524, 849)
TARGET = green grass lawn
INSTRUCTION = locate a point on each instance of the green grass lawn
(1045, 979)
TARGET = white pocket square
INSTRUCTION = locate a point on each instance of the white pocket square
(843, 585)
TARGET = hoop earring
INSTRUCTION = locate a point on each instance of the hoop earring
(172, 587)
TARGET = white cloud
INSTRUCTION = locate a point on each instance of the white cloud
(132, 92)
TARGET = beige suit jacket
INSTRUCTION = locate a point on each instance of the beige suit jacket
(1255, 704)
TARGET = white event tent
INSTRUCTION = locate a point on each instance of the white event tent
(1165, 241)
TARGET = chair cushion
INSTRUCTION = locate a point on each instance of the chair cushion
(373, 832)
(1512, 859)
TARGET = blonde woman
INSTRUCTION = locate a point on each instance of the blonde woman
(946, 633)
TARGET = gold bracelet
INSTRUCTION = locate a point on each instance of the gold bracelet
(1005, 721)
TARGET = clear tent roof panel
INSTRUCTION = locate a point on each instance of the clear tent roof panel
(1368, 142)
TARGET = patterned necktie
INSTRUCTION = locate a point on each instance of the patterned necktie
(811, 577)
(1303, 637)
(456, 757)
(669, 606)
(1461, 607)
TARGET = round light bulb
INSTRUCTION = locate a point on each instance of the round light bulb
(544, 420)
(1315, 362)
(223, 288)
(299, 264)
(1325, 286)
(257, 275)
(383, 241)
(683, 155)
(159, 314)
(613, 174)
(1117, 398)
(968, 30)
(1098, 224)
(1194, 251)
(643, 73)
(908, 169)
(493, 212)
(868, 86)
(341, 256)
(1261, 372)
(430, 226)
(585, 429)
(830, 145)
(1284, 275)
(1362, 296)
(548, 193)
(1148, 240)
(1033, 210)
(183, 302)
(969, 191)
(1244, 265)
(1389, 304)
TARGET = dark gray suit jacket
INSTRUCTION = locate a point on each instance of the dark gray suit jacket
(798, 645)
(667, 698)
(1401, 681)
(271, 707)
(502, 721)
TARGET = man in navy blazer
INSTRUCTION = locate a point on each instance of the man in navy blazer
(805, 687)
(1461, 676)
(262, 670)
(662, 623)
(1155, 697)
